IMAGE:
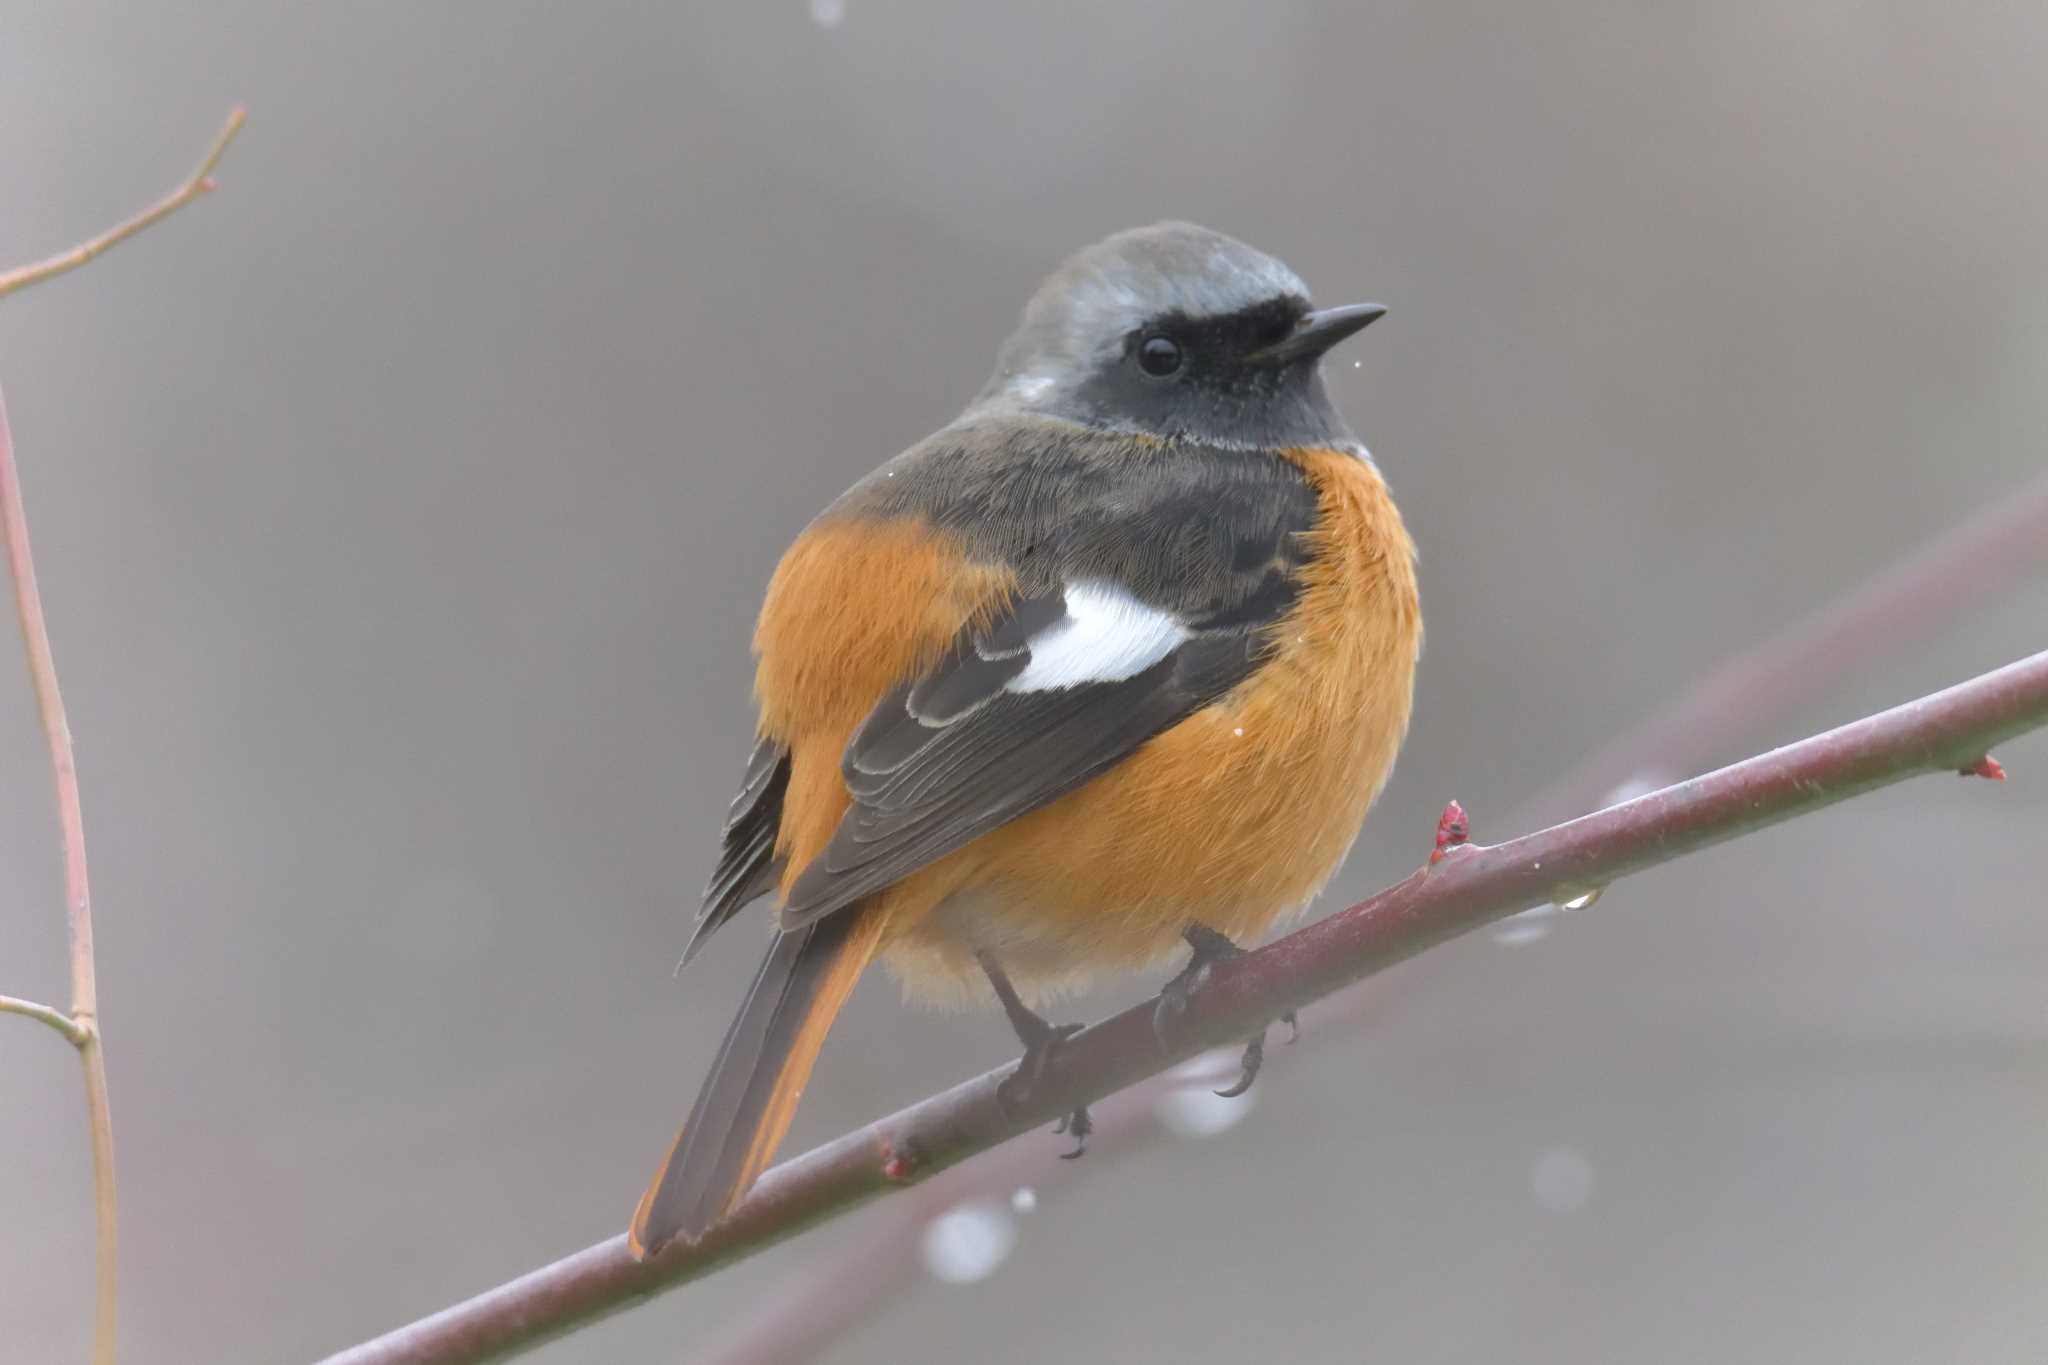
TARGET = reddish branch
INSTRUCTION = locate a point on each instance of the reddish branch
(848, 1283)
(1949, 731)
(2004, 544)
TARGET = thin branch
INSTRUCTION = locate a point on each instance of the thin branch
(42, 667)
(2002, 545)
(56, 1019)
(99, 1117)
(201, 182)
(1476, 885)
(816, 1303)
(82, 1025)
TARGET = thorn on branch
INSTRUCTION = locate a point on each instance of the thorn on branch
(1452, 831)
(1985, 767)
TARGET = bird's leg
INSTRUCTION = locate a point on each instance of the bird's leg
(1210, 948)
(1041, 1040)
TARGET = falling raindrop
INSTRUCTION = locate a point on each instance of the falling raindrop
(1561, 1180)
(969, 1242)
(1024, 1200)
(828, 13)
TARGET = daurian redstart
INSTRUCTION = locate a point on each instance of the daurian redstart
(1111, 665)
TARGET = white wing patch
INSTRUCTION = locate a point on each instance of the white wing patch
(1107, 635)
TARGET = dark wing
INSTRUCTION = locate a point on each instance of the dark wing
(984, 738)
(747, 865)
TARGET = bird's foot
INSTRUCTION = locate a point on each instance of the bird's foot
(1079, 1125)
(1042, 1042)
(1210, 948)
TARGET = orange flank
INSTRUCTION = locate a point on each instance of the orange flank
(854, 609)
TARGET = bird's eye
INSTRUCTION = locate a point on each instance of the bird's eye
(1159, 356)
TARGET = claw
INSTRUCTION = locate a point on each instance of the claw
(1080, 1125)
(1254, 1058)
(1210, 948)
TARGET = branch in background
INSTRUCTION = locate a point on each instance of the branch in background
(81, 1025)
(201, 182)
(1993, 551)
(84, 1032)
(2001, 546)
(73, 1031)
(1476, 885)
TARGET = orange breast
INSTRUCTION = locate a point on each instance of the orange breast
(1235, 817)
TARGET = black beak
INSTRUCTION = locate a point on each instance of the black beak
(1318, 332)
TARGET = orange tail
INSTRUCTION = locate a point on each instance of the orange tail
(750, 1096)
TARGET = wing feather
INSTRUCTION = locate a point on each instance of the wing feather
(951, 756)
(747, 865)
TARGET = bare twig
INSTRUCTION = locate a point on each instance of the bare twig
(1471, 887)
(81, 1025)
(56, 1019)
(2000, 546)
(84, 1031)
(201, 182)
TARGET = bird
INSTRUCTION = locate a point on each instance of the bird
(1110, 667)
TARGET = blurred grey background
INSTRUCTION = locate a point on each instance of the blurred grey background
(402, 509)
